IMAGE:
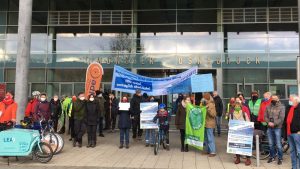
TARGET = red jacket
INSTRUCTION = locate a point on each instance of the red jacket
(31, 106)
(262, 110)
(246, 110)
(8, 112)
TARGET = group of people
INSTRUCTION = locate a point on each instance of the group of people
(87, 114)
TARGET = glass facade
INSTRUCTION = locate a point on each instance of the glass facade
(250, 45)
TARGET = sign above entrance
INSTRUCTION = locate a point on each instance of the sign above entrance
(126, 81)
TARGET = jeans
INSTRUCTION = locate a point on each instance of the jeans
(274, 137)
(124, 135)
(150, 136)
(210, 140)
(294, 142)
(218, 122)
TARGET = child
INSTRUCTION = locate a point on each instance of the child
(163, 120)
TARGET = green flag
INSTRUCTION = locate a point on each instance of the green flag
(195, 125)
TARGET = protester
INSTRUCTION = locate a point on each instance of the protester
(238, 114)
(42, 110)
(66, 103)
(180, 121)
(293, 130)
(135, 113)
(107, 110)
(71, 119)
(30, 108)
(124, 125)
(219, 108)
(92, 116)
(254, 106)
(210, 124)
(8, 108)
(245, 107)
(163, 118)
(150, 133)
(274, 116)
(78, 113)
(55, 108)
(101, 101)
(113, 111)
(261, 114)
(145, 97)
(178, 102)
(230, 107)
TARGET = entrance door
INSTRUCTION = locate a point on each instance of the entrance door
(66, 89)
(245, 89)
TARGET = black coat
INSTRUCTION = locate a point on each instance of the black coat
(135, 105)
(114, 105)
(219, 105)
(55, 108)
(92, 113)
(124, 119)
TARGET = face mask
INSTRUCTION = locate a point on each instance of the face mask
(43, 99)
(8, 97)
(55, 99)
(265, 99)
(92, 99)
(291, 103)
(81, 98)
(254, 97)
(100, 95)
(274, 102)
(237, 109)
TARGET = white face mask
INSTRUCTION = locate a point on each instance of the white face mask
(92, 99)
(100, 95)
(81, 98)
(55, 99)
(43, 99)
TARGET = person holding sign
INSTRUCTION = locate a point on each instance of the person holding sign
(180, 121)
(124, 124)
(239, 114)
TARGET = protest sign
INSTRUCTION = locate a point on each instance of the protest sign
(149, 110)
(124, 106)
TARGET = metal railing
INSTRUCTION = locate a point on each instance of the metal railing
(67, 18)
(260, 15)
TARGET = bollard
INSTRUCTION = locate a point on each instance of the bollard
(257, 151)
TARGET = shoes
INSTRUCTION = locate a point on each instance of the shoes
(147, 145)
(134, 137)
(205, 153)
(80, 145)
(182, 149)
(101, 135)
(279, 162)
(70, 139)
(74, 143)
(248, 162)
(167, 147)
(127, 146)
(186, 148)
(271, 160)
(151, 145)
(237, 160)
(88, 146)
(93, 145)
(211, 155)
(121, 146)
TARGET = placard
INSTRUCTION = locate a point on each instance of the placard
(124, 106)
(149, 110)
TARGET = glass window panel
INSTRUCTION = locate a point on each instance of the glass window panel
(11, 46)
(157, 17)
(197, 16)
(66, 89)
(52, 89)
(38, 86)
(2, 17)
(197, 4)
(292, 89)
(13, 5)
(229, 90)
(158, 42)
(39, 18)
(250, 75)
(261, 89)
(278, 89)
(283, 75)
(4, 5)
(286, 60)
(2, 32)
(10, 86)
(245, 3)
(79, 87)
(66, 75)
(1, 75)
(40, 5)
(34, 75)
(112, 5)
(246, 90)
(67, 60)
(283, 42)
(13, 18)
(157, 4)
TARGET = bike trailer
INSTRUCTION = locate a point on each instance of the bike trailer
(17, 142)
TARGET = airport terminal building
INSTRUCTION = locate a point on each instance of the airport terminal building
(246, 44)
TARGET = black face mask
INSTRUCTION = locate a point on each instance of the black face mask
(254, 97)
(274, 102)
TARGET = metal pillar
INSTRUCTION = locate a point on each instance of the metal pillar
(23, 56)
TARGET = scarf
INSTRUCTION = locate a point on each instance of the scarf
(289, 120)
(7, 101)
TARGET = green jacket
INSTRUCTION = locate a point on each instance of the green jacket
(66, 104)
(254, 107)
(79, 110)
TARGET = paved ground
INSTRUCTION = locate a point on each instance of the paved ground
(107, 155)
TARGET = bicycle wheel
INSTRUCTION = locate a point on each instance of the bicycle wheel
(61, 143)
(43, 152)
(52, 140)
(156, 145)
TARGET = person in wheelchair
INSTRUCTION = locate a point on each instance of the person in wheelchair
(163, 118)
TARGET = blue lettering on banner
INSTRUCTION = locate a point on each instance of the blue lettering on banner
(125, 83)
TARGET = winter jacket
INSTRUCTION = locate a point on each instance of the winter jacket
(30, 108)
(277, 113)
(114, 106)
(78, 110)
(101, 102)
(135, 105)
(163, 119)
(66, 104)
(295, 125)
(210, 121)
(180, 117)
(219, 105)
(8, 112)
(92, 112)
(262, 110)
(42, 110)
(55, 108)
(124, 119)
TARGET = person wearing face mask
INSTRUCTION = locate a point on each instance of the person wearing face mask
(274, 116)
(113, 111)
(30, 108)
(71, 120)
(78, 114)
(92, 116)
(180, 121)
(254, 106)
(293, 130)
(101, 101)
(219, 109)
(244, 107)
(135, 113)
(261, 114)
(124, 124)
(230, 107)
(239, 114)
(55, 107)
(150, 133)
(8, 108)
(42, 109)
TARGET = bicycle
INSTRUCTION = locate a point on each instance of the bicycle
(160, 139)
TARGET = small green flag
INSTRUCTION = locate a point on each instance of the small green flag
(195, 125)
